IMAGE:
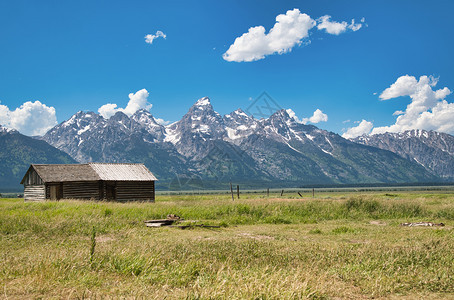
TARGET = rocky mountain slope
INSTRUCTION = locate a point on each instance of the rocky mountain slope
(432, 150)
(18, 151)
(205, 149)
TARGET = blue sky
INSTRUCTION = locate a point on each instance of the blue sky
(80, 55)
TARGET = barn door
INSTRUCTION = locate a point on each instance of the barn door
(53, 192)
(56, 192)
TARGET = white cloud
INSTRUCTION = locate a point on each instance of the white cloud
(364, 127)
(162, 121)
(336, 28)
(404, 86)
(31, 118)
(150, 37)
(290, 30)
(428, 108)
(293, 115)
(317, 117)
(108, 110)
(137, 101)
(331, 27)
(287, 32)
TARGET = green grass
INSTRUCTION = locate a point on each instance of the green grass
(337, 245)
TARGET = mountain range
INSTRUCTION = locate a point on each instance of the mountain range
(207, 150)
(18, 151)
(432, 150)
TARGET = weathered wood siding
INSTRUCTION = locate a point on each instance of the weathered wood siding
(96, 190)
(32, 178)
(81, 190)
(34, 192)
(135, 191)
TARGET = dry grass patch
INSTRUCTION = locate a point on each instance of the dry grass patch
(267, 249)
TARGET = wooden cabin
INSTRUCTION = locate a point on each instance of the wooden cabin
(95, 181)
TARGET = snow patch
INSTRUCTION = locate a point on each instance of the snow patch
(329, 142)
(327, 152)
(231, 133)
(171, 136)
(203, 101)
(79, 132)
(240, 113)
(294, 148)
(419, 162)
(204, 128)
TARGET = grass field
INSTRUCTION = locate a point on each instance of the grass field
(333, 246)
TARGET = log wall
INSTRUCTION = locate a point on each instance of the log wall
(135, 191)
(34, 192)
(81, 190)
(96, 190)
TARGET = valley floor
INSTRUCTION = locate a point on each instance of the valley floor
(333, 246)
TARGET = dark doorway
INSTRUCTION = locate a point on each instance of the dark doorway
(56, 192)
(110, 191)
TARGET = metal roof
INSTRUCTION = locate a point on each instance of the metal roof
(123, 172)
(93, 172)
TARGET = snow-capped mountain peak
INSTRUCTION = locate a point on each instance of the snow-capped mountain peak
(433, 150)
(275, 148)
(203, 102)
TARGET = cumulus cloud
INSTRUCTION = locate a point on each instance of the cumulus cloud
(290, 30)
(137, 101)
(31, 118)
(364, 127)
(428, 108)
(293, 115)
(162, 121)
(317, 117)
(336, 28)
(149, 38)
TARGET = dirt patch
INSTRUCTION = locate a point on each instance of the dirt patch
(379, 223)
(103, 239)
(256, 237)
(202, 238)
(359, 242)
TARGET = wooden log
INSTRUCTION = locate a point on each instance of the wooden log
(238, 191)
(191, 226)
(166, 221)
(416, 224)
(156, 224)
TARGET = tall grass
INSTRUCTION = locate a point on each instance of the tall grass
(271, 248)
